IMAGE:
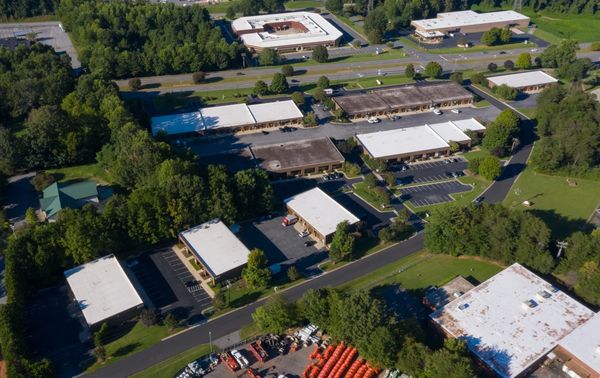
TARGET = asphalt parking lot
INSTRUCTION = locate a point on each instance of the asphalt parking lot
(432, 194)
(430, 171)
(281, 244)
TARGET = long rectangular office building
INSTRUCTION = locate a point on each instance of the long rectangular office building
(529, 81)
(229, 118)
(404, 99)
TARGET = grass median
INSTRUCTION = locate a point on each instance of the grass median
(170, 366)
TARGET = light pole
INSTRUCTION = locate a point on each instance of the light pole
(210, 341)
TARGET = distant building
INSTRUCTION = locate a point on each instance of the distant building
(418, 142)
(319, 213)
(58, 196)
(435, 29)
(104, 292)
(229, 118)
(219, 252)
(437, 297)
(286, 32)
(529, 82)
(298, 158)
(512, 320)
(404, 99)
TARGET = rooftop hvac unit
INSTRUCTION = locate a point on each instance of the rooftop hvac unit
(463, 306)
(543, 294)
(530, 303)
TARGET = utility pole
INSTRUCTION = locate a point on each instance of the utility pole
(561, 245)
(210, 341)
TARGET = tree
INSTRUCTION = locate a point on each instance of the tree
(287, 70)
(500, 133)
(323, 82)
(491, 37)
(198, 77)
(375, 25)
(351, 169)
(42, 180)
(30, 216)
(298, 98)
(576, 70)
(474, 164)
(490, 168)
(371, 181)
(509, 65)
(479, 78)
(523, 61)
(310, 120)
(249, 7)
(320, 54)
(275, 316)
(230, 13)
(433, 70)
(457, 77)
(556, 56)
(219, 301)
(315, 305)
(293, 273)
(335, 6)
(170, 321)
(135, 84)
(268, 57)
(506, 92)
(101, 335)
(279, 84)
(412, 357)
(261, 88)
(273, 6)
(492, 67)
(399, 229)
(342, 243)
(148, 317)
(505, 35)
(256, 273)
(100, 353)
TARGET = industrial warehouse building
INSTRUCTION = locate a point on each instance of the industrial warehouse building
(529, 82)
(216, 249)
(229, 118)
(404, 99)
(286, 32)
(298, 158)
(435, 29)
(104, 292)
(579, 352)
(512, 320)
(418, 142)
(319, 213)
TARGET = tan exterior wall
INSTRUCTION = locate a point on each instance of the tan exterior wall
(307, 226)
(411, 109)
(527, 89)
(310, 169)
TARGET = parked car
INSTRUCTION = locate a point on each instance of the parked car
(241, 360)
(436, 111)
(394, 117)
(455, 111)
(289, 220)
(338, 175)
(373, 120)
(265, 132)
(309, 243)
(303, 234)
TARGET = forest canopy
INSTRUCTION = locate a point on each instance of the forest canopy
(120, 39)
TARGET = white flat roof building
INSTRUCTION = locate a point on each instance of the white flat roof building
(275, 111)
(320, 211)
(405, 141)
(102, 289)
(285, 30)
(227, 117)
(448, 132)
(512, 320)
(469, 21)
(523, 79)
(216, 247)
(468, 124)
(584, 343)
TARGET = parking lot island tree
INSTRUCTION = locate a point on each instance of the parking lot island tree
(257, 274)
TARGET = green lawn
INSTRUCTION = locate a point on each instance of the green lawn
(302, 4)
(138, 338)
(366, 194)
(565, 208)
(459, 50)
(371, 82)
(421, 270)
(170, 366)
(481, 153)
(482, 104)
(249, 330)
(529, 112)
(82, 172)
(354, 26)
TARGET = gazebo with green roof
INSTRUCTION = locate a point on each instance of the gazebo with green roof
(59, 196)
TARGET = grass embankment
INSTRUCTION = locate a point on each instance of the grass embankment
(170, 366)
(421, 270)
(136, 339)
(460, 50)
(81, 172)
(564, 207)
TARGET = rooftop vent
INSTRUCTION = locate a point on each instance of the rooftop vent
(530, 303)
(457, 294)
(543, 294)
(463, 306)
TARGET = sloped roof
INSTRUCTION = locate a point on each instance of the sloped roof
(58, 196)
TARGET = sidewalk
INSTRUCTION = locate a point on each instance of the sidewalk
(195, 273)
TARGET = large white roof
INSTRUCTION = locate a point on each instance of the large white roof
(584, 343)
(275, 111)
(177, 123)
(318, 30)
(320, 210)
(523, 79)
(467, 18)
(226, 116)
(216, 246)
(102, 289)
(502, 329)
(468, 124)
(449, 132)
(401, 141)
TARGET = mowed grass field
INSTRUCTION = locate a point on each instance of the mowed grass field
(421, 270)
(170, 366)
(81, 172)
(565, 208)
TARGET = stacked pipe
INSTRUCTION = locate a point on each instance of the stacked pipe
(354, 367)
(361, 371)
(371, 372)
(346, 363)
(331, 361)
(314, 372)
(340, 361)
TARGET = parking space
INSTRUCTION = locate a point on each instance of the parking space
(430, 171)
(186, 278)
(432, 194)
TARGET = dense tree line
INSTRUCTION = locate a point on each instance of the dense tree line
(119, 39)
(26, 8)
(569, 130)
(490, 231)
(254, 7)
(501, 133)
